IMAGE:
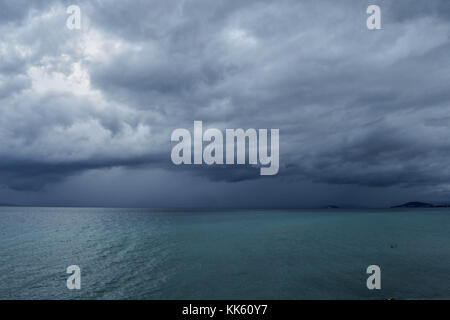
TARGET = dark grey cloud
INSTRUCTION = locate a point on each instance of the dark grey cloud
(355, 108)
(17, 11)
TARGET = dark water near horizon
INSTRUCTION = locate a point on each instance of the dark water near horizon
(247, 254)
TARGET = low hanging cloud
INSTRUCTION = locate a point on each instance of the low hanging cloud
(354, 106)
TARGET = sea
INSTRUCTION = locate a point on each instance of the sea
(224, 254)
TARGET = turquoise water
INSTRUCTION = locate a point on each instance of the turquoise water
(266, 254)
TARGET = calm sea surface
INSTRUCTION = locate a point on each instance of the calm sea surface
(247, 254)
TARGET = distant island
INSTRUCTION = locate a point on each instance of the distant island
(417, 204)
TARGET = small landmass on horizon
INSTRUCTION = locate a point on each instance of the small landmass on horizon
(417, 204)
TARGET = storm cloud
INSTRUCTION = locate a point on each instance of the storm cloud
(357, 109)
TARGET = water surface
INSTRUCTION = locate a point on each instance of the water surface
(225, 254)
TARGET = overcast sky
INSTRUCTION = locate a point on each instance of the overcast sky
(86, 115)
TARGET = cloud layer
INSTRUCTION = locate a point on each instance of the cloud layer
(354, 107)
